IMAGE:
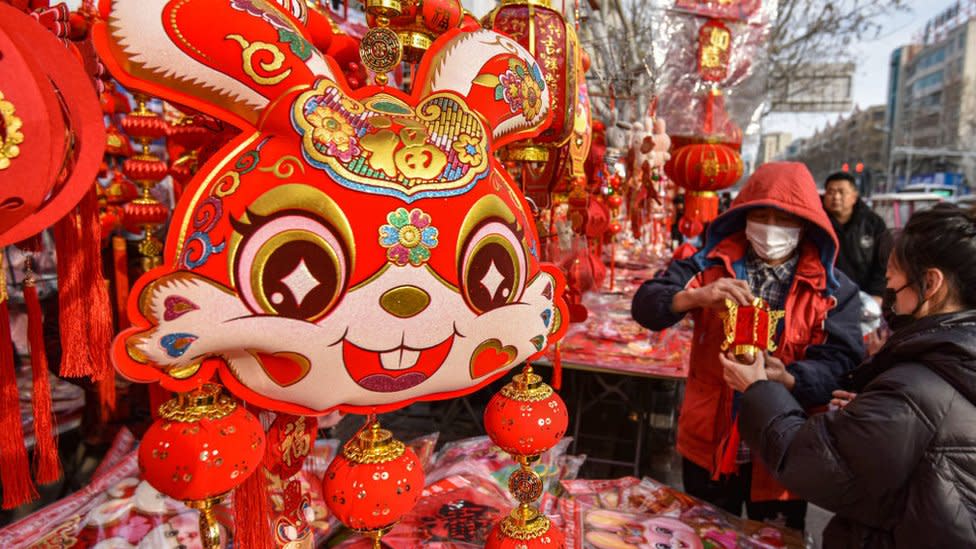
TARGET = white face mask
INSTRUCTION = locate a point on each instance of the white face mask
(772, 242)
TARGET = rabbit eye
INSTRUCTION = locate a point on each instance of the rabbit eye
(292, 265)
(493, 267)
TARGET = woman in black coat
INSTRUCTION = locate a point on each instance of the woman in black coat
(897, 462)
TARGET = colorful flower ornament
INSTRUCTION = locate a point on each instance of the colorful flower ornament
(346, 238)
(333, 135)
(408, 237)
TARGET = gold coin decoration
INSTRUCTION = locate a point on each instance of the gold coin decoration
(11, 135)
(381, 50)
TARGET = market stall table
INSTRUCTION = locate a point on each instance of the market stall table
(615, 351)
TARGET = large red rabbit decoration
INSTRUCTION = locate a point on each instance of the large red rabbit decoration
(350, 249)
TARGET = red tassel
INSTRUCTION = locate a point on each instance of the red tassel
(107, 398)
(71, 309)
(18, 488)
(85, 309)
(120, 261)
(46, 462)
(252, 509)
(557, 369)
(729, 453)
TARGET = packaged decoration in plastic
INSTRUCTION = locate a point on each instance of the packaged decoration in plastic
(120, 510)
(456, 512)
(642, 513)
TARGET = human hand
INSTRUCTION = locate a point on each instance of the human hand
(776, 371)
(874, 341)
(713, 296)
(740, 376)
(841, 398)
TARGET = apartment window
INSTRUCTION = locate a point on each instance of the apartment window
(926, 82)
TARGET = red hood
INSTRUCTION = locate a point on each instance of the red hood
(786, 186)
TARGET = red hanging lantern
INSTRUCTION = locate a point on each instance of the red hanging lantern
(185, 138)
(202, 446)
(146, 169)
(417, 22)
(526, 418)
(541, 533)
(373, 482)
(702, 169)
(554, 44)
(749, 329)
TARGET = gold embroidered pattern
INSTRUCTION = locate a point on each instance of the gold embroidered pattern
(250, 49)
(10, 135)
(408, 152)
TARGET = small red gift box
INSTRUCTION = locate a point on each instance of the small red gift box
(750, 329)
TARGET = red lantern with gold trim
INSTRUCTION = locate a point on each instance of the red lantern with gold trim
(526, 418)
(202, 446)
(417, 22)
(547, 535)
(702, 169)
(554, 44)
(373, 482)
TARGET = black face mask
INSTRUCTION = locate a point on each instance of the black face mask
(894, 320)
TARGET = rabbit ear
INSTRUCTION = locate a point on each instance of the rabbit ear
(498, 78)
(227, 58)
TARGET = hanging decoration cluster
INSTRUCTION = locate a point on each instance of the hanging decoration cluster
(709, 161)
(352, 235)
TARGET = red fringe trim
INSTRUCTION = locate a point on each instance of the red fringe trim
(18, 488)
(85, 309)
(729, 451)
(46, 461)
(252, 510)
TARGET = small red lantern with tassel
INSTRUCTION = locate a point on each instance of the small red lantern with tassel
(526, 418)
(373, 482)
(202, 446)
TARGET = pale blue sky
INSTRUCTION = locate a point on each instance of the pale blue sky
(871, 76)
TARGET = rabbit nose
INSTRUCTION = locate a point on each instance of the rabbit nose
(405, 301)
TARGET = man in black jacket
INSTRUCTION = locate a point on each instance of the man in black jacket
(861, 232)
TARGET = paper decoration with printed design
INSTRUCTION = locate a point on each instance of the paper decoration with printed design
(358, 250)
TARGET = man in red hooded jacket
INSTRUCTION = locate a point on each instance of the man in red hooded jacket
(777, 243)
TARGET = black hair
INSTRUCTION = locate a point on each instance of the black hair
(841, 176)
(942, 237)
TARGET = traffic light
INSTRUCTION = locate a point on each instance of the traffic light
(845, 167)
(859, 167)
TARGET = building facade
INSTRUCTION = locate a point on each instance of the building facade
(932, 102)
(853, 143)
(772, 146)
